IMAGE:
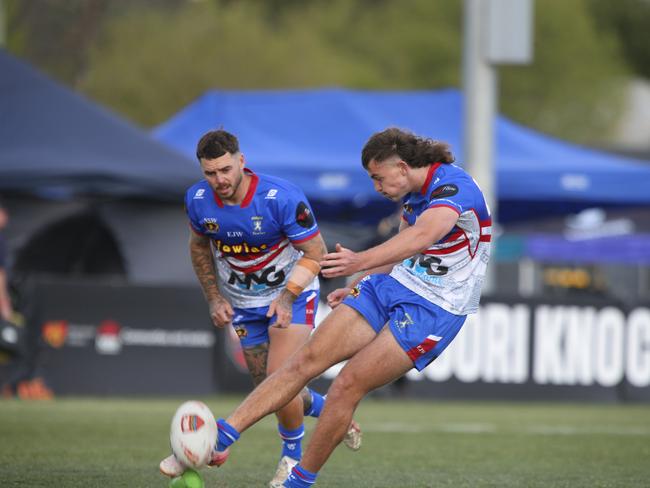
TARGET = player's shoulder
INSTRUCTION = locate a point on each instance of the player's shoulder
(452, 172)
(275, 188)
(449, 179)
(198, 190)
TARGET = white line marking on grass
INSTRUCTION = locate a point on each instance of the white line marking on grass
(600, 430)
(454, 428)
(489, 428)
(468, 428)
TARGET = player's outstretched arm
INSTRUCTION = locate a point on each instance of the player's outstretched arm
(337, 296)
(303, 273)
(221, 311)
(431, 226)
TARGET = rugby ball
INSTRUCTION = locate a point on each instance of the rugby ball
(193, 434)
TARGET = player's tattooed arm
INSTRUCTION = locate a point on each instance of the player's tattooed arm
(257, 360)
(221, 311)
(203, 264)
(313, 249)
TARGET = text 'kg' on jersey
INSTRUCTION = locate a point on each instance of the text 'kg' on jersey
(451, 272)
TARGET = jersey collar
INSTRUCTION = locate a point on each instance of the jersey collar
(432, 170)
(249, 193)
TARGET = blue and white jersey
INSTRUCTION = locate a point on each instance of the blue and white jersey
(451, 272)
(252, 241)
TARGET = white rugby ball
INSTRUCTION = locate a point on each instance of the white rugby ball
(193, 434)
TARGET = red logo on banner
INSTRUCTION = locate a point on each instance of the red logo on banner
(108, 340)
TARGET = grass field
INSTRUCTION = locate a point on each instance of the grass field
(116, 442)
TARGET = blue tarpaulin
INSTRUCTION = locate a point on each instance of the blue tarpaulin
(54, 142)
(314, 138)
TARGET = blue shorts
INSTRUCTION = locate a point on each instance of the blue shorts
(252, 324)
(420, 327)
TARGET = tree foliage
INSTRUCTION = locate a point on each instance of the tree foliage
(629, 20)
(148, 63)
(574, 86)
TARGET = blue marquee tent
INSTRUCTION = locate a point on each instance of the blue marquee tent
(314, 138)
(55, 143)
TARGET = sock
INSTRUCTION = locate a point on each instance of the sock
(292, 441)
(227, 435)
(317, 403)
(300, 478)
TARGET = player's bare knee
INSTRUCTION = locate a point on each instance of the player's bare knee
(297, 368)
(305, 364)
(345, 388)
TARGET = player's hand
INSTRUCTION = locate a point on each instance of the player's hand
(221, 312)
(342, 262)
(337, 296)
(282, 308)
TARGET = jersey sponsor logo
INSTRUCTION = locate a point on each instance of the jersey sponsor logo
(271, 194)
(239, 248)
(257, 225)
(241, 331)
(211, 225)
(424, 347)
(426, 264)
(304, 217)
(444, 191)
(257, 281)
(427, 268)
(199, 195)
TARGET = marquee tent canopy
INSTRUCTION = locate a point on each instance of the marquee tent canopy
(314, 138)
(54, 142)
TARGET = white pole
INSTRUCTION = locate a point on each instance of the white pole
(479, 83)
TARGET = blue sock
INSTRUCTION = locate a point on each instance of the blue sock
(317, 404)
(300, 478)
(226, 435)
(292, 441)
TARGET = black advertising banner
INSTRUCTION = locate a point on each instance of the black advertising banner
(543, 350)
(123, 340)
(103, 339)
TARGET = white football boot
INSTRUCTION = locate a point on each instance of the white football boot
(218, 458)
(285, 466)
(172, 467)
(352, 439)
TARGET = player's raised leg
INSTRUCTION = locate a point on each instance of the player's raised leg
(380, 362)
(339, 336)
